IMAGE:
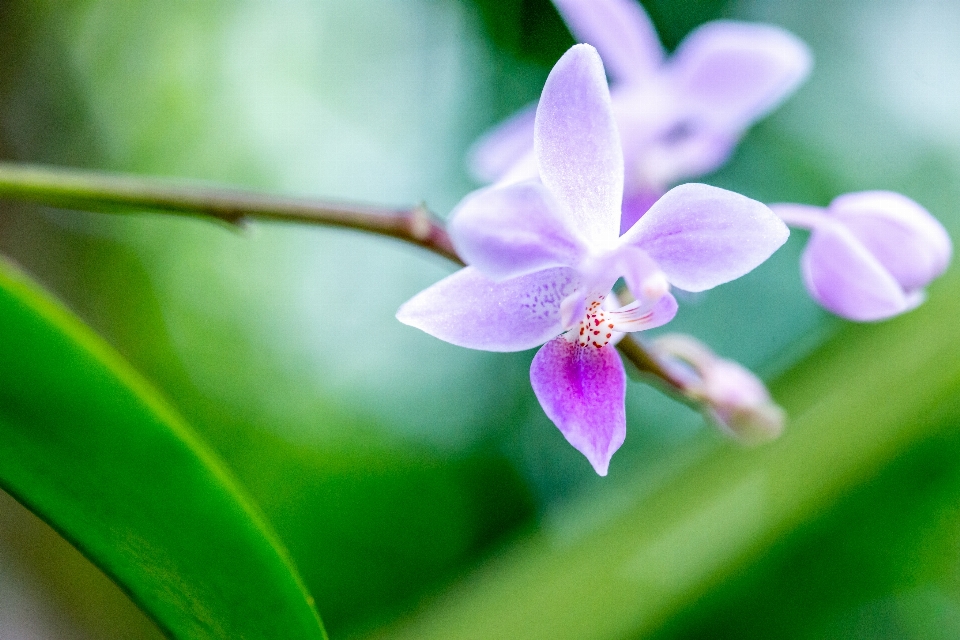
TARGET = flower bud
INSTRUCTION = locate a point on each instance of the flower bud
(740, 402)
(870, 254)
(733, 396)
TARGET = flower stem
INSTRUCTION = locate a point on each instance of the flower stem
(648, 363)
(116, 193)
(76, 189)
(800, 216)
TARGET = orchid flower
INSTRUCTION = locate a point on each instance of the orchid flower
(870, 254)
(544, 256)
(678, 117)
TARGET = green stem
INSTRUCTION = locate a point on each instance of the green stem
(94, 190)
(71, 188)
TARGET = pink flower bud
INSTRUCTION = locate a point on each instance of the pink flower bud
(735, 398)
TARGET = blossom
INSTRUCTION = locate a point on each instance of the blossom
(544, 255)
(732, 396)
(679, 117)
(870, 254)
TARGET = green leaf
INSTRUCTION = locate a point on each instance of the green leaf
(857, 405)
(881, 563)
(88, 445)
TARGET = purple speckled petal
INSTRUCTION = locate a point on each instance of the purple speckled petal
(702, 236)
(506, 232)
(496, 151)
(620, 30)
(735, 72)
(469, 310)
(846, 279)
(578, 147)
(909, 242)
(582, 390)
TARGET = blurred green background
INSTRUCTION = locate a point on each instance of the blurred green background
(392, 464)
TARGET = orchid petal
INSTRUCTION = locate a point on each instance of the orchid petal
(639, 270)
(702, 236)
(635, 205)
(909, 242)
(523, 170)
(620, 30)
(736, 72)
(665, 140)
(469, 310)
(842, 276)
(577, 144)
(496, 151)
(506, 232)
(645, 315)
(582, 390)
(688, 151)
(572, 308)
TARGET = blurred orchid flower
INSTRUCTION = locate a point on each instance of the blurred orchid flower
(870, 254)
(678, 118)
(733, 396)
(543, 257)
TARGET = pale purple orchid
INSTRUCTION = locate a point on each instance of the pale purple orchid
(544, 256)
(870, 254)
(679, 117)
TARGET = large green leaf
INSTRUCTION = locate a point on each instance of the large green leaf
(90, 447)
(859, 402)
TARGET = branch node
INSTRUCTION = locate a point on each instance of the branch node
(421, 223)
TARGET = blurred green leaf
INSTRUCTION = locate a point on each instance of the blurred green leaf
(372, 523)
(86, 444)
(856, 404)
(881, 563)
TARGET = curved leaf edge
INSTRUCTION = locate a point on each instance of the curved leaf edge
(46, 305)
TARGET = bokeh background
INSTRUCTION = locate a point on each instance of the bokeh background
(394, 465)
